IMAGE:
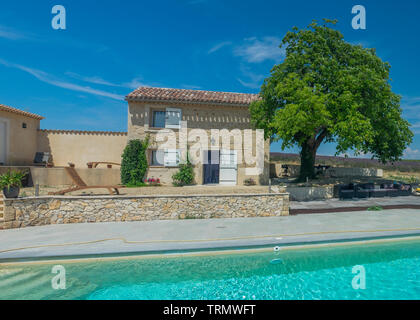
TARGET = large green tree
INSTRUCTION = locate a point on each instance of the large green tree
(328, 90)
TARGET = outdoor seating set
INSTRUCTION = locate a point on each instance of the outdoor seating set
(370, 190)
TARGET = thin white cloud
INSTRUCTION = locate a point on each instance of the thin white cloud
(93, 79)
(255, 50)
(249, 84)
(10, 34)
(219, 46)
(411, 106)
(190, 87)
(50, 79)
(133, 84)
(252, 80)
(410, 153)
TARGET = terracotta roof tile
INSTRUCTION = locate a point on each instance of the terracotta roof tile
(191, 96)
(112, 133)
(20, 112)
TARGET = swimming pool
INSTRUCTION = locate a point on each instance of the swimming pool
(325, 272)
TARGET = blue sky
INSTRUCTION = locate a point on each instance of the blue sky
(77, 77)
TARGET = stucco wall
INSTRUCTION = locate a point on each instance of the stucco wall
(81, 147)
(22, 142)
(205, 117)
(27, 212)
(59, 177)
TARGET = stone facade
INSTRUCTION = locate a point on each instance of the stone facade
(36, 211)
(199, 117)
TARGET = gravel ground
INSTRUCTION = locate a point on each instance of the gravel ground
(163, 190)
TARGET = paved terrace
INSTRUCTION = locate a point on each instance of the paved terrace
(337, 205)
(59, 241)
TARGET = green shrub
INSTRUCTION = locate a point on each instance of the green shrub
(185, 175)
(134, 162)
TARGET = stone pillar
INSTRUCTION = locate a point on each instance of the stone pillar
(9, 216)
(286, 205)
(1, 206)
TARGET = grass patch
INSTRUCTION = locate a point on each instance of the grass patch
(141, 185)
(405, 179)
(375, 208)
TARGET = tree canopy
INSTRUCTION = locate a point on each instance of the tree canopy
(328, 90)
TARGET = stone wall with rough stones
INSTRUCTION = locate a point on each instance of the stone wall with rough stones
(36, 211)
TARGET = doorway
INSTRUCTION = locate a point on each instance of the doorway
(211, 167)
(228, 167)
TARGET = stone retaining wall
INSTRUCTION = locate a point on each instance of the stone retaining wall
(293, 171)
(36, 211)
(310, 193)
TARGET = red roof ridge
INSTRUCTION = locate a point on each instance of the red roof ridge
(20, 112)
(83, 131)
(154, 94)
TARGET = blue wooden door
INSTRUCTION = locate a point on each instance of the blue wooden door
(211, 167)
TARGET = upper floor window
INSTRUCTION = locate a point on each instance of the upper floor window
(170, 118)
(158, 120)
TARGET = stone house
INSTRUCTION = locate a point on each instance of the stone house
(21, 137)
(18, 136)
(229, 152)
(218, 121)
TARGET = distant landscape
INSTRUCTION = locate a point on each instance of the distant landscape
(403, 166)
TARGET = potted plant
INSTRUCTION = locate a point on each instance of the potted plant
(11, 182)
(249, 182)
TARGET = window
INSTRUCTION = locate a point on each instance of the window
(172, 157)
(171, 118)
(159, 118)
(167, 158)
(157, 158)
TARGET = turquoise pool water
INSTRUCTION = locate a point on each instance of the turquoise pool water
(392, 272)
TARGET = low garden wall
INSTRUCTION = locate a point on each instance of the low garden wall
(310, 193)
(92, 177)
(36, 211)
(293, 171)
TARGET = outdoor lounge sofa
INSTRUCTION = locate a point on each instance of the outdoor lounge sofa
(370, 190)
(346, 191)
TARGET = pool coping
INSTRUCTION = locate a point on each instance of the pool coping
(208, 248)
(350, 209)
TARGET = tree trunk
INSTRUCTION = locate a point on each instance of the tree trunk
(307, 161)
